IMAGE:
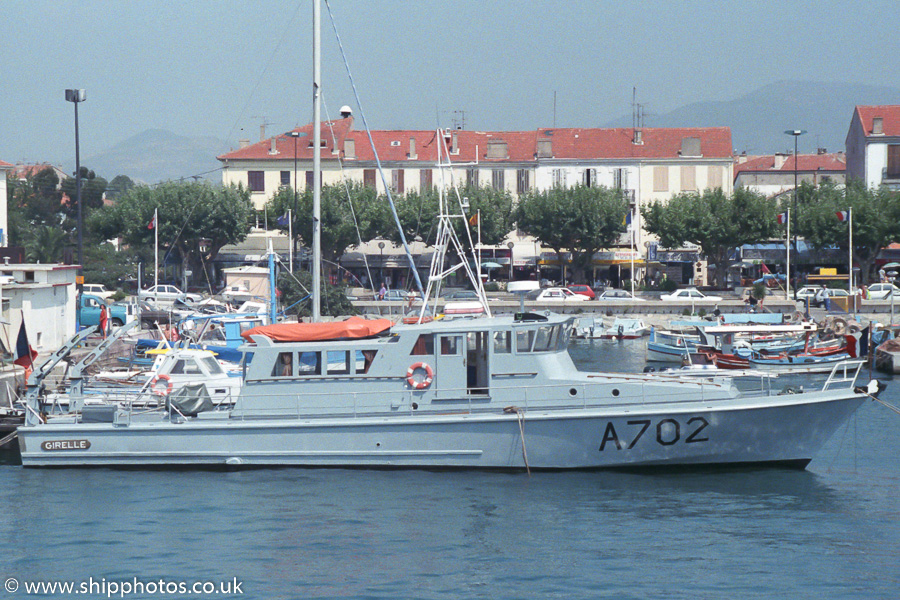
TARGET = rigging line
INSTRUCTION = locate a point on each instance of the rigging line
(287, 29)
(362, 114)
(186, 177)
(178, 235)
(347, 190)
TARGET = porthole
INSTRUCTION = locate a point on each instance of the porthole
(615, 392)
(573, 392)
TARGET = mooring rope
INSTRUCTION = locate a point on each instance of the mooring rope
(520, 416)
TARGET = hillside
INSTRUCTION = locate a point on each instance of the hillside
(159, 155)
(758, 119)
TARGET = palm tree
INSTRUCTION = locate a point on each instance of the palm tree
(45, 245)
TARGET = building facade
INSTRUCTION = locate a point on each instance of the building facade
(873, 146)
(773, 174)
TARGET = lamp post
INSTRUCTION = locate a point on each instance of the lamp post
(510, 246)
(75, 97)
(796, 133)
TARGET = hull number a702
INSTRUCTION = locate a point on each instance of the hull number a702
(668, 433)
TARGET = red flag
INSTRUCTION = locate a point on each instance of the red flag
(25, 354)
(152, 224)
(473, 220)
(765, 269)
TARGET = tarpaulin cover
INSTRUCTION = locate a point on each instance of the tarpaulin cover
(352, 328)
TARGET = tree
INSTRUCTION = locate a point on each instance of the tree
(296, 286)
(338, 226)
(118, 186)
(92, 190)
(45, 244)
(188, 213)
(33, 202)
(714, 221)
(581, 219)
(876, 220)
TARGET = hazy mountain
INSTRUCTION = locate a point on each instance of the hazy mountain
(758, 120)
(159, 155)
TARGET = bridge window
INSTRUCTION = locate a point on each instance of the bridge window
(338, 362)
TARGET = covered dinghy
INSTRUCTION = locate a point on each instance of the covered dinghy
(191, 399)
(352, 328)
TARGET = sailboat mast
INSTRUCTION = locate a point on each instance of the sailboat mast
(317, 166)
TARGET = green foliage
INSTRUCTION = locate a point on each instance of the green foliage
(713, 220)
(103, 264)
(119, 185)
(45, 244)
(491, 286)
(338, 228)
(876, 219)
(759, 290)
(580, 219)
(701, 313)
(92, 189)
(668, 285)
(333, 302)
(188, 213)
(32, 203)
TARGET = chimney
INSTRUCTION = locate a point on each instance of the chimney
(638, 136)
(454, 144)
(821, 151)
(243, 143)
(349, 148)
(690, 146)
(878, 126)
(412, 149)
(780, 159)
(274, 148)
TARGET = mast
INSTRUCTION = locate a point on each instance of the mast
(317, 166)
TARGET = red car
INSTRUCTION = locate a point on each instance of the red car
(584, 290)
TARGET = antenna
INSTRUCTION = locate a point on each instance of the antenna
(262, 126)
(554, 109)
(458, 119)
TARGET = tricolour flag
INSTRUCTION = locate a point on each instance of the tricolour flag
(782, 218)
(25, 354)
(843, 215)
(283, 219)
(152, 224)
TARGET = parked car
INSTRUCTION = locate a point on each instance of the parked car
(828, 293)
(584, 290)
(167, 294)
(808, 291)
(882, 291)
(689, 295)
(555, 294)
(462, 296)
(89, 312)
(97, 289)
(618, 296)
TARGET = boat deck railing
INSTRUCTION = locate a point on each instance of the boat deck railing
(630, 392)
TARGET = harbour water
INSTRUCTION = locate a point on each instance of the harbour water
(832, 531)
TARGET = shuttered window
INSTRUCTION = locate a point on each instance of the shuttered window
(688, 178)
(660, 179)
(256, 181)
(893, 162)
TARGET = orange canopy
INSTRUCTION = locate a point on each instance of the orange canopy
(352, 328)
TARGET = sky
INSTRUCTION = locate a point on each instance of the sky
(221, 68)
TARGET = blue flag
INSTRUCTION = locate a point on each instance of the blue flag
(283, 219)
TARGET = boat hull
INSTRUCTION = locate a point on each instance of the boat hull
(775, 429)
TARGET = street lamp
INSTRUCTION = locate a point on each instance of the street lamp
(510, 246)
(796, 133)
(75, 97)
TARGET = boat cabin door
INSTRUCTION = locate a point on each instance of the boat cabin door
(450, 366)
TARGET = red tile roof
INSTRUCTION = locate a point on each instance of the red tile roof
(715, 142)
(806, 163)
(5, 165)
(889, 114)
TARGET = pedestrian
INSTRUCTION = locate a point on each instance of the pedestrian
(104, 319)
(382, 292)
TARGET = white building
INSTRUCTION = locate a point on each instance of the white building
(773, 174)
(44, 297)
(873, 146)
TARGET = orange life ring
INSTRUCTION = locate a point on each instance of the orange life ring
(159, 391)
(419, 385)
